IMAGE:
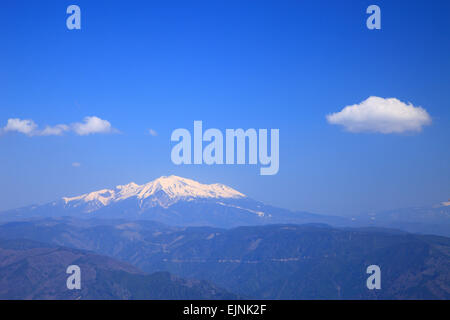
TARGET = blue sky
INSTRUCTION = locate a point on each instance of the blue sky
(161, 65)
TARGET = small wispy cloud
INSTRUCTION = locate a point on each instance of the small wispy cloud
(381, 115)
(152, 132)
(76, 164)
(26, 126)
(90, 125)
(55, 130)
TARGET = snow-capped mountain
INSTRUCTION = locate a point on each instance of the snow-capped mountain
(172, 200)
(184, 202)
(164, 192)
(446, 203)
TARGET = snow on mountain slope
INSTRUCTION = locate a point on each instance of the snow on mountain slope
(163, 191)
(446, 204)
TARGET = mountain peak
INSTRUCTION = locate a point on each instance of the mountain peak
(164, 191)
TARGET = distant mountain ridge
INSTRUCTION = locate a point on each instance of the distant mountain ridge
(180, 201)
(428, 220)
(171, 200)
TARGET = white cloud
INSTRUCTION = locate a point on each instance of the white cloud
(76, 164)
(381, 115)
(93, 125)
(152, 132)
(28, 127)
(54, 131)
